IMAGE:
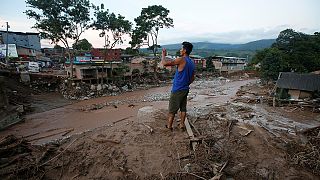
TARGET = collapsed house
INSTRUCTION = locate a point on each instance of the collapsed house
(294, 87)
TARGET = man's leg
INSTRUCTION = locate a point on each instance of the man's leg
(183, 109)
(173, 108)
(182, 119)
(170, 120)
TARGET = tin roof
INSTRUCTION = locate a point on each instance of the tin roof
(306, 82)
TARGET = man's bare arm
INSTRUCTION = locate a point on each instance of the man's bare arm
(169, 62)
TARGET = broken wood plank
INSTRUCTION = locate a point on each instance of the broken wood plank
(122, 119)
(194, 127)
(106, 140)
(42, 137)
(190, 133)
(67, 132)
(31, 135)
(151, 130)
(59, 153)
(188, 128)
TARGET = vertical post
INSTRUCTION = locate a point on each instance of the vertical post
(7, 49)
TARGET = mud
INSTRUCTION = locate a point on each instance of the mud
(123, 137)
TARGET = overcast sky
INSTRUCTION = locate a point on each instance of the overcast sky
(218, 21)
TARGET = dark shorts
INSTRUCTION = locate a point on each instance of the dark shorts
(178, 100)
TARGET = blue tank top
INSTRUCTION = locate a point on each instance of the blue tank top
(182, 79)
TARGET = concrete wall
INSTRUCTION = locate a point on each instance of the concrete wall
(27, 40)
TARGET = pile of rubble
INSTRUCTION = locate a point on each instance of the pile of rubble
(306, 152)
(83, 91)
(18, 158)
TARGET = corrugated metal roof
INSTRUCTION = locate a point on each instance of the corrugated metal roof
(306, 82)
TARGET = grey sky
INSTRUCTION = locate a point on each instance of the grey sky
(220, 21)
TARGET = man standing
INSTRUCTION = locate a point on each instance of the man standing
(183, 77)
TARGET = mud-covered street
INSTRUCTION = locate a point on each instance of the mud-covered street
(237, 135)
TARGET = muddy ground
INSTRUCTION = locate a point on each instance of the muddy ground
(238, 136)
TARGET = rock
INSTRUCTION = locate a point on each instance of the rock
(73, 84)
(25, 77)
(145, 114)
(20, 109)
(93, 87)
(187, 167)
(99, 87)
(125, 88)
(116, 89)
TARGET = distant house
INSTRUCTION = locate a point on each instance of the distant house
(299, 86)
(55, 54)
(217, 65)
(110, 54)
(198, 60)
(230, 64)
(91, 65)
(28, 44)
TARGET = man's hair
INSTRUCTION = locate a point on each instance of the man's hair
(188, 47)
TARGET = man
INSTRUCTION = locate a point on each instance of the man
(183, 77)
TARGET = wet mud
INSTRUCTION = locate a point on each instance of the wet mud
(237, 136)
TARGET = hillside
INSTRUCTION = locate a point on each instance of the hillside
(252, 46)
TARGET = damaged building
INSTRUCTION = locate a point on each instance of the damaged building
(300, 89)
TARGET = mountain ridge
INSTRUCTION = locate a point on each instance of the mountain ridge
(253, 45)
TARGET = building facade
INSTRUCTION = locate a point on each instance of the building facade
(27, 44)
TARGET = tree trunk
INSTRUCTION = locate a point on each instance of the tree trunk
(71, 63)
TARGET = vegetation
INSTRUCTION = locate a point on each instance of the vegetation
(148, 24)
(82, 45)
(292, 52)
(209, 65)
(110, 24)
(60, 20)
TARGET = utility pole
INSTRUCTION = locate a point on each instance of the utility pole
(7, 57)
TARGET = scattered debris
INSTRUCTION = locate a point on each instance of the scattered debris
(151, 130)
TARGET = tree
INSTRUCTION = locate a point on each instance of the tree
(209, 65)
(57, 47)
(108, 24)
(60, 20)
(131, 51)
(82, 45)
(272, 63)
(148, 24)
(292, 52)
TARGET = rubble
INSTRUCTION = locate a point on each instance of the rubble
(306, 153)
(238, 139)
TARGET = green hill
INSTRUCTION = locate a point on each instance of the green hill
(251, 46)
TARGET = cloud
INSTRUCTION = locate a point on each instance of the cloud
(232, 37)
